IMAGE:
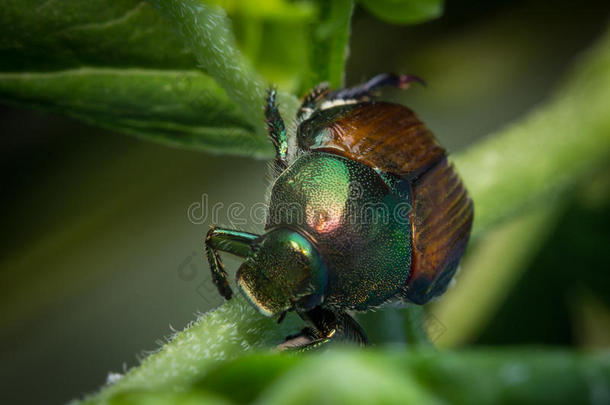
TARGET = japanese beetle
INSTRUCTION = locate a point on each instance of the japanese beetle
(328, 248)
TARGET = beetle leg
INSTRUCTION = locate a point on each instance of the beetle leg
(276, 129)
(326, 325)
(226, 240)
(351, 330)
(323, 328)
(365, 90)
(305, 340)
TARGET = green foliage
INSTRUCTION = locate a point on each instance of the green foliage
(124, 66)
(113, 98)
(417, 377)
(329, 38)
(119, 66)
(538, 158)
(207, 31)
(404, 11)
(42, 35)
(521, 237)
(394, 377)
(523, 174)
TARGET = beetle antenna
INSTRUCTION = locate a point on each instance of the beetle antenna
(382, 80)
(311, 99)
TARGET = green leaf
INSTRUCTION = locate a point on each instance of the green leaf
(404, 11)
(221, 380)
(80, 59)
(167, 398)
(125, 67)
(345, 377)
(46, 35)
(75, 58)
(118, 65)
(121, 66)
(207, 30)
(273, 35)
(271, 10)
(330, 38)
(513, 376)
(402, 377)
(183, 108)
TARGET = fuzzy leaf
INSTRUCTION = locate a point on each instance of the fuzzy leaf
(329, 48)
(46, 35)
(395, 376)
(122, 66)
(183, 108)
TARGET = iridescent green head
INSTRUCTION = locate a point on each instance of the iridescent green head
(284, 272)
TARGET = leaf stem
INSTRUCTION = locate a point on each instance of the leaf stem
(208, 32)
(532, 162)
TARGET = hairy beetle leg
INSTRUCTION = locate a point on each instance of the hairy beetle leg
(276, 130)
(305, 340)
(326, 326)
(219, 275)
(351, 330)
(225, 240)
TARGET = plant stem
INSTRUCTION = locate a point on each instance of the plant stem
(207, 30)
(233, 329)
(491, 269)
(535, 160)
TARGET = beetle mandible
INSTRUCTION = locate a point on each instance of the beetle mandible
(364, 208)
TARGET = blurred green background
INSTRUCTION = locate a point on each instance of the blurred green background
(100, 261)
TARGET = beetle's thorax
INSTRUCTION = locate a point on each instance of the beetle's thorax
(350, 213)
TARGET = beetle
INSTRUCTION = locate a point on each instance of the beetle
(364, 208)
